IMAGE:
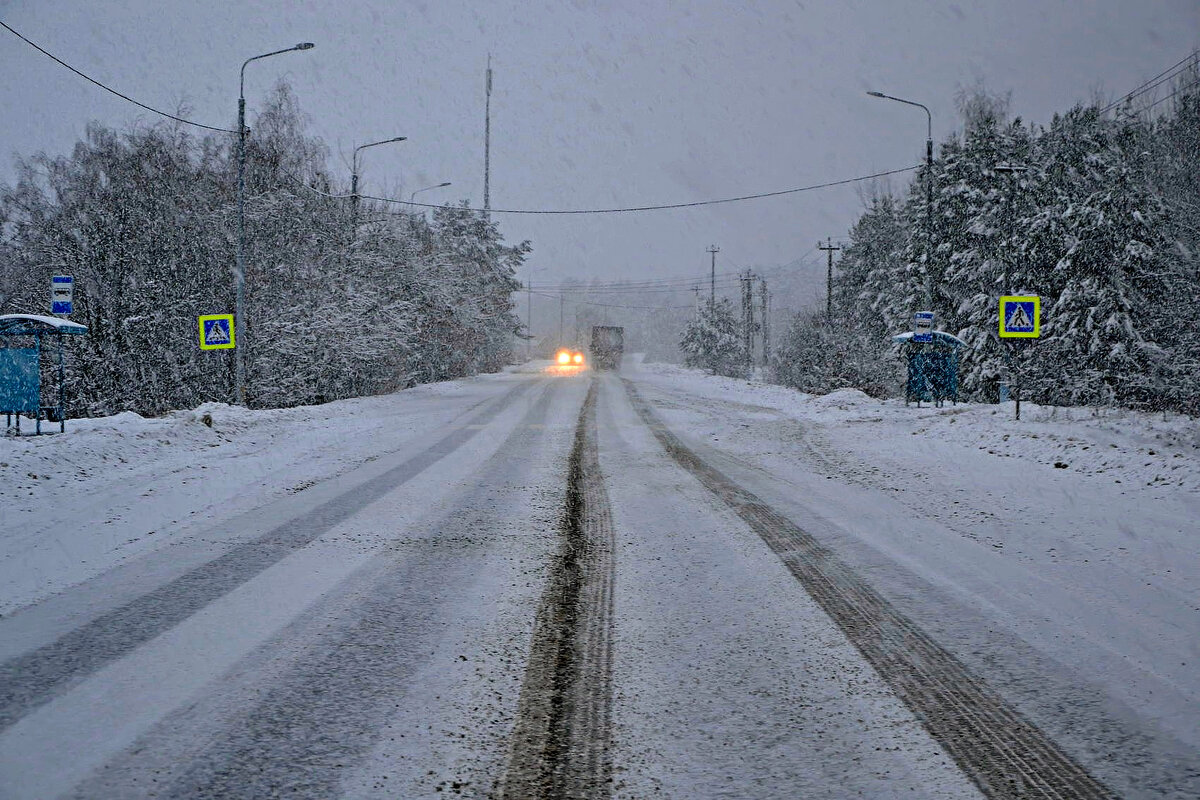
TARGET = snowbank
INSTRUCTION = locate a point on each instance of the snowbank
(1132, 448)
(110, 488)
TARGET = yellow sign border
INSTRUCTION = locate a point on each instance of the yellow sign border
(232, 334)
(1037, 316)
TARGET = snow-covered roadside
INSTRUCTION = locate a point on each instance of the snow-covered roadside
(1073, 594)
(1134, 449)
(74, 505)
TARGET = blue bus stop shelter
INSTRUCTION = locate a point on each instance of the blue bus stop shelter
(21, 367)
(932, 367)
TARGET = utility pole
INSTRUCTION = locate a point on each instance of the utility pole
(529, 318)
(747, 279)
(712, 283)
(487, 140)
(561, 295)
(765, 300)
(829, 247)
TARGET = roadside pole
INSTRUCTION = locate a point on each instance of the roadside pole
(1020, 318)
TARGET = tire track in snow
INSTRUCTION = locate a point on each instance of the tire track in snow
(316, 722)
(560, 741)
(34, 678)
(1002, 752)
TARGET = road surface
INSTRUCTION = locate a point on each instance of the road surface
(560, 584)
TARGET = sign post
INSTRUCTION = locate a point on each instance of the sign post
(62, 292)
(1020, 318)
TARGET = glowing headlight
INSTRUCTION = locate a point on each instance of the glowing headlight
(578, 358)
(564, 357)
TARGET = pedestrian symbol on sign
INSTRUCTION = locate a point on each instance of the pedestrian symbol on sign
(1020, 316)
(216, 332)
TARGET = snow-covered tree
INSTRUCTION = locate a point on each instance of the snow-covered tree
(713, 340)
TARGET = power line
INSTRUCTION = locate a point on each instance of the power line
(109, 89)
(607, 305)
(1152, 83)
(625, 210)
(1172, 94)
(663, 207)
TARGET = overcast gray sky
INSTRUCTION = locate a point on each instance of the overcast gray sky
(595, 104)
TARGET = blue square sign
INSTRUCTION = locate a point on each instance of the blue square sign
(216, 332)
(62, 291)
(1020, 316)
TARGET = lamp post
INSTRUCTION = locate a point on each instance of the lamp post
(412, 196)
(1014, 369)
(928, 192)
(240, 271)
(354, 170)
(1009, 169)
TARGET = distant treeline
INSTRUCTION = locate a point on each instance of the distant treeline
(337, 304)
(1104, 226)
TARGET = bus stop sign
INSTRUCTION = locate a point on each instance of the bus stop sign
(923, 326)
(62, 291)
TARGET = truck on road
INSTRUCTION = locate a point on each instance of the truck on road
(608, 345)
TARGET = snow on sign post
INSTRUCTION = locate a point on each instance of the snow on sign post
(1021, 316)
(216, 332)
(923, 326)
(62, 292)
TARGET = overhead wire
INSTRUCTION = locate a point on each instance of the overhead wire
(1166, 75)
(109, 89)
(608, 305)
(660, 207)
(1172, 94)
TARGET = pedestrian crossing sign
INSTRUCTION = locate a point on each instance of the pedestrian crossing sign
(1021, 316)
(216, 332)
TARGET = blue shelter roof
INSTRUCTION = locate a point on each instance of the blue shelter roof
(33, 324)
(940, 336)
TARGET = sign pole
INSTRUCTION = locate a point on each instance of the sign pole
(1020, 318)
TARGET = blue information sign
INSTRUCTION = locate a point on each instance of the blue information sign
(923, 326)
(216, 332)
(62, 290)
(1020, 316)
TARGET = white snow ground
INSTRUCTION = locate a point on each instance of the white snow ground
(114, 488)
(1075, 591)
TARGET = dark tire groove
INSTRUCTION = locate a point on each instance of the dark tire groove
(560, 741)
(34, 678)
(1002, 752)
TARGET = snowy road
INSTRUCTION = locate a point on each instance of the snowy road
(567, 585)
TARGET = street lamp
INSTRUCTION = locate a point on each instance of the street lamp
(426, 189)
(239, 324)
(354, 168)
(928, 192)
(1009, 346)
(1009, 169)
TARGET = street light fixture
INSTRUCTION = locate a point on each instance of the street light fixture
(354, 168)
(928, 192)
(1009, 169)
(426, 189)
(239, 324)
